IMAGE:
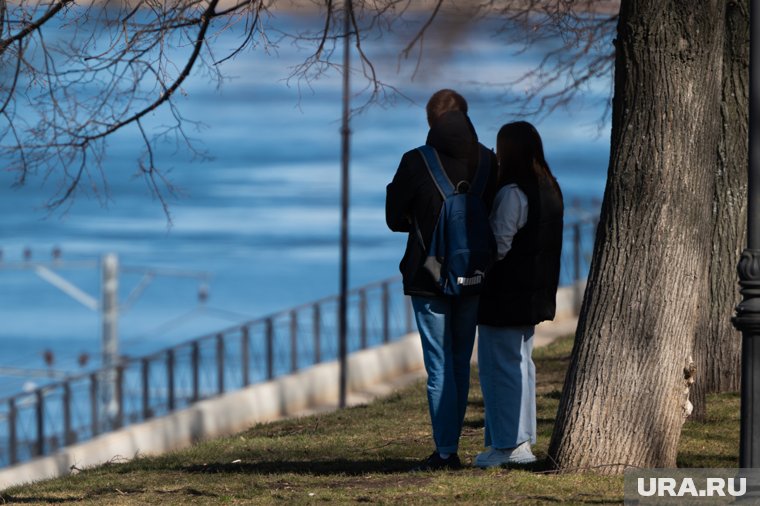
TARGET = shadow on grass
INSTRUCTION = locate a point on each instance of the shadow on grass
(339, 467)
(545, 499)
(97, 494)
(10, 499)
(311, 467)
(697, 460)
(477, 423)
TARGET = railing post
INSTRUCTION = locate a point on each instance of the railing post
(293, 341)
(245, 355)
(363, 318)
(40, 419)
(145, 374)
(220, 363)
(409, 314)
(170, 379)
(68, 438)
(119, 393)
(577, 293)
(317, 334)
(386, 312)
(94, 404)
(195, 359)
(12, 440)
(270, 348)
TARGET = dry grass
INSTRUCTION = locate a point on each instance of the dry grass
(364, 454)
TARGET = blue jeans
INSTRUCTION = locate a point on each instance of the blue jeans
(508, 382)
(447, 329)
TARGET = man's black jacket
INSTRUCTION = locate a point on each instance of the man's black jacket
(413, 198)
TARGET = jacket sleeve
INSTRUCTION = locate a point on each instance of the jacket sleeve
(510, 213)
(399, 195)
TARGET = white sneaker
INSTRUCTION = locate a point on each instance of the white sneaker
(494, 457)
(522, 454)
(489, 458)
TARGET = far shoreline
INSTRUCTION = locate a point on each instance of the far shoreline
(610, 7)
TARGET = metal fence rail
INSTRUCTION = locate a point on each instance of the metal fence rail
(78, 408)
(39, 422)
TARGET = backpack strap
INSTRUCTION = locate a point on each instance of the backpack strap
(433, 163)
(484, 171)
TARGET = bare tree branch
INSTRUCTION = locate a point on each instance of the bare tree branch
(421, 33)
(63, 96)
(34, 25)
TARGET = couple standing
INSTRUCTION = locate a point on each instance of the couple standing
(522, 203)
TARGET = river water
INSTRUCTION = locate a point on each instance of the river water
(261, 216)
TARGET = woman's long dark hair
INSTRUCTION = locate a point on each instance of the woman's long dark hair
(521, 157)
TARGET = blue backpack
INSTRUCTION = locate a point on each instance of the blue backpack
(463, 246)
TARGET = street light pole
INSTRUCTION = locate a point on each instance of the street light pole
(344, 202)
(110, 332)
(747, 318)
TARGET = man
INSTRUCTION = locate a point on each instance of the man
(446, 323)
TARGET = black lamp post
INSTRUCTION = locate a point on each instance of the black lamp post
(344, 202)
(747, 318)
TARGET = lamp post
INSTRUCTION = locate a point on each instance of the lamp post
(109, 309)
(344, 202)
(747, 318)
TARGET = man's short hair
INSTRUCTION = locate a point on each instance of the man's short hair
(444, 101)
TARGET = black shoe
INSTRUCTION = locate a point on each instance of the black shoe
(435, 463)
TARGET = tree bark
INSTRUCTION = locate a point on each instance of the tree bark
(717, 350)
(626, 391)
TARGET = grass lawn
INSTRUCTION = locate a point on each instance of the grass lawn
(364, 454)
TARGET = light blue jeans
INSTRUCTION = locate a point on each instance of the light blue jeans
(508, 382)
(447, 329)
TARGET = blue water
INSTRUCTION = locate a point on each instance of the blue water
(261, 216)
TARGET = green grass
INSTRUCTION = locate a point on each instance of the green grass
(364, 454)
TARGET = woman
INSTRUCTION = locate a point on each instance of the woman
(519, 292)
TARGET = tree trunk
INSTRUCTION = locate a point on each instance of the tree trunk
(717, 351)
(626, 391)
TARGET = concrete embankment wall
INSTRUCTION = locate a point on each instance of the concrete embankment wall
(312, 388)
(290, 395)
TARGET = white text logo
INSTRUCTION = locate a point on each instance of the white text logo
(714, 487)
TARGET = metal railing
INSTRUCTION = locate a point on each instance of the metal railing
(76, 409)
(58, 414)
(577, 249)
